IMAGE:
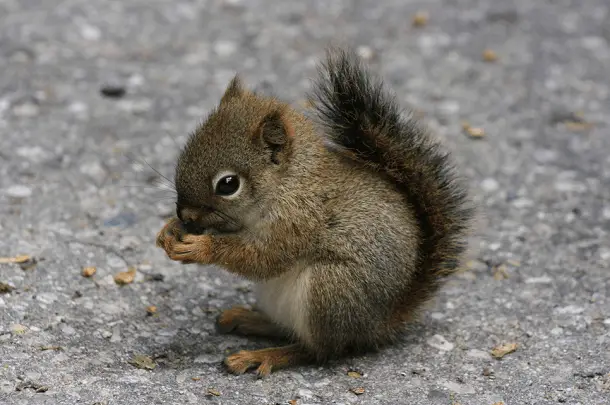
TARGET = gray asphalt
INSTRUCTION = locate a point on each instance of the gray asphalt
(76, 190)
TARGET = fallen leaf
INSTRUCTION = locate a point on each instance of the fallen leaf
(18, 329)
(125, 277)
(354, 374)
(89, 271)
(358, 390)
(420, 18)
(151, 310)
(578, 126)
(212, 391)
(514, 263)
(16, 259)
(142, 361)
(195, 378)
(502, 350)
(500, 272)
(489, 56)
(5, 288)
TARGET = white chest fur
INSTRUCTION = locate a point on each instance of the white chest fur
(284, 300)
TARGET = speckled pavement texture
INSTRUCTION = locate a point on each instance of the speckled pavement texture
(76, 190)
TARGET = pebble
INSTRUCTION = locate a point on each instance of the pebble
(106, 334)
(19, 191)
(77, 107)
(478, 354)
(458, 388)
(449, 107)
(538, 280)
(225, 47)
(209, 358)
(490, 184)
(68, 330)
(570, 310)
(46, 298)
(365, 52)
(90, 32)
(26, 109)
(34, 153)
(440, 343)
(305, 393)
(116, 335)
(94, 170)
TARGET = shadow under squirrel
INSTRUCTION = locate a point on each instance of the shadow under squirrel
(347, 227)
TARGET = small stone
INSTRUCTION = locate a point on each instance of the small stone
(354, 374)
(478, 354)
(358, 390)
(116, 335)
(46, 298)
(90, 32)
(440, 343)
(113, 91)
(33, 153)
(365, 52)
(487, 372)
(304, 393)
(538, 280)
(19, 191)
(106, 334)
(94, 170)
(67, 330)
(225, 47)
(77, 107)
(570, 310)
(490, 184)
(123, 219)
(26, 109)
(458, 388)
(209, 358)
(151, 310)
(420, 19)
(89, 271)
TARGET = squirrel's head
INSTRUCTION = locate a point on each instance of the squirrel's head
(233, 161)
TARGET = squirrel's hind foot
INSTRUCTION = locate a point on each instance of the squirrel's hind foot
(265, 360)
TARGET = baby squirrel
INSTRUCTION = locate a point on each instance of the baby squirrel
(347, 227)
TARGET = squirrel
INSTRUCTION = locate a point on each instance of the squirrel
(347, 221)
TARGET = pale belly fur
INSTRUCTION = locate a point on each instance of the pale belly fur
(284, 300)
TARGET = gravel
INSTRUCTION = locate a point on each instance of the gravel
(97, 97)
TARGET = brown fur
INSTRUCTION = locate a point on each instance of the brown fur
(361, 220)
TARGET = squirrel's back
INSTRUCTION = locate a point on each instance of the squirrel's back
(364, 121)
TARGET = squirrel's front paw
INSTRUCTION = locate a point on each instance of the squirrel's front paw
(189, 248)
(172, 229)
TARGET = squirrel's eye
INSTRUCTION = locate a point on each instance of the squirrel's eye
(227, 185)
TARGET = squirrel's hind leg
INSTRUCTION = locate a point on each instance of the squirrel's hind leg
(266, 360)
(243, 321)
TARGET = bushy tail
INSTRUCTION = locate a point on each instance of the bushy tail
(365, 120)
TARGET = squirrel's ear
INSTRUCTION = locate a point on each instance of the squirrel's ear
(234, 89)
(276, 133)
